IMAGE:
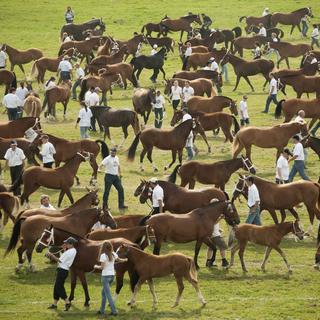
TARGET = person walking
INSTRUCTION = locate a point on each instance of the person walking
(257, 51)
(282, 168)
(157, 196)
(112, 178)
(11, 102)
(45, 202)
(69, 15)
(92, 98)
(304, 25)
(315, 37)
(65, 261)
(187, 93)
(84, 120)
(253, 202)
(273, 90)
(79, 75)
(3, 57)
(189, 142)
(64, 68)
(244, 116)
(158, 108)
(176, 95)
(272, 50)
(154, 49)
(47, 152)
(186, 56)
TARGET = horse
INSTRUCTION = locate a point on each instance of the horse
(164, 139)
(201, 59)
(313, 143)
(269, 137)
(243, 68)
(30, 230)
(132, 44)
(178, 199)
(149, 266)
(283, 196)
(10, 205)
(17, 128)
(32, 105)
(292, 19)
(153, 27)
(265, 20)
(240, 43)
(105, 48)
(230, 35)
(269, 236)
(195, 49)
(217, 173)
(94, 32)
(154, 62)
(8, 78)
(196, 225)
(166, 42)
(128, 221)
(210, 41)
(142, 101)
(278, 32)
(126, 72)
(18, 57)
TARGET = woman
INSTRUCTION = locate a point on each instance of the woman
(84, 120)
(158, 109)
(257, 51)
(69, 15)
(47, 86)
(47, 152)
(107, 257)
(176, 94)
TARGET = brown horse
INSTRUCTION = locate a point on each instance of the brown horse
(313, 143)
(126, 72)
(196, 225)
(292, 19)
(217, 173)
(207, 74)
(269, 137)
(142, 101)
(10, 205)
(8, 78)
(105, 47)
(132, 44)
(240, 43)
(215, 37)
(164, 139)
(180, 200)
(243, 68)
(197, 60)
(195, 49)
(283, 196)
(20, 58)
(32, 106)
(265, 20)
(152, 27)
(17, 128)
(128, 221)
(269, 236)
(166, 42)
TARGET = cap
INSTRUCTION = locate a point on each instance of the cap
(153, 180)
(44, 137)
(113, 149)
(70, 240)
(212, 59)
(97, 89)
(66, 57)
(13, 142)
(155, 46)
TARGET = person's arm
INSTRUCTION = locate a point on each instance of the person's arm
(160, 205)
(119, 171)
(101, 166)
(52, 257)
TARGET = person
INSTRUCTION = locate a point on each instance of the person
(11, 102)
(273, 90)
(207, 66)
(69, 15)
(93, 99)
(15, 158)
(224, 72)
(298, 160)
(189, 143)
(186, 56)
(84, 120)
(21, 92)
(47, 86)
(47, 152)
(253, 202)
(265, 12)
(257, 51)
(87, 95)
(214, 66)
(206, 21)
(304, 23)
(114, 47)
(244, 116)
(157, 196)
(272, 50)
(154, 49)
(65, 261)
(45, 202)
(176, 94)
(315, 36)
(3, 57)
(138, 52)
(79, 75)
(112, 177)
(282, 168)
(65, 37)
(187, 92)
(107, 258)
(262, 30)
(158, 108)
(65, 68)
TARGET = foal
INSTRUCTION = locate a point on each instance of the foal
(269, 236)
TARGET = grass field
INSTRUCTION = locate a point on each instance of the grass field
(230, 295)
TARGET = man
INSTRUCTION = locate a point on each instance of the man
(47, 152)
(187, 93)
(206, 21)
(15, 161)
(273, 90)
(244, 116)
(154, 49)
(315, 36)
(256, 51)
(93, 98)
(304, 25)
(3, 57)
(262, 31)
(298, 160)
(157, 196)
(21, 92)
(112, 177)
(189, 143)
(282, 169)
(214, 66)
(158, 109)
(45, 203)
(186, 55)
(265, 12)
(11, 102)
(65, 68)
(87, 95)
(79, 76)
(253, 202)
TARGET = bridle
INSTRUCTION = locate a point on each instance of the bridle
(50, 239)
(243, 186)
(248, 166)
(295, 232)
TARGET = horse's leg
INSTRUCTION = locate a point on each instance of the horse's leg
(266, 256)
(241, 254)
(237, 83)
(180, 285)
(149, 156)
(61, 195)
(273, 215)
(196, 253)
(29, 251)
(278, 63)
(64, 109)
(192, 183)
(287, 62)
(283, 257)
(21, 68)
(248, 151)
(174, 157)
(20, 252)
(83, 280)
(135, 292)
(249, 83)
(142, 154)
(157, 247)
(234, 249)
(283, 215)
(292, 27)
(125, 134)
(69, 195)
(164, 74)
(154, 297)
(73, 281)
(181, 34)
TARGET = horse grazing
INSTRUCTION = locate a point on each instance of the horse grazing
(10, 206)
(142, 101)
(292, 19)
(180, 200)
(166, 42)
(268, 236)
(17, 128)
(8, 78)
(243, 68)
(196, 225)
(269, 137)
(217, 173)
(32, 105)
(201, 59)
(265, 20)
(240, 43)
(18, 57)
(313, 143)
(283, 197)
(126, 72)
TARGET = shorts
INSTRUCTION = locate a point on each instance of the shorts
(219, 243)
(243, 121)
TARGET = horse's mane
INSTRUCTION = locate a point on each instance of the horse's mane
(301, 9)
(225, 97)
(70, 233)
(213, 204)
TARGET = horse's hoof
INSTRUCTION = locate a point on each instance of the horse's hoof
(204, 302)
(263, 269)
(244, 270)
(86, 305)
(165, 168)
(155, 170)
(174, 305)
(290, 271)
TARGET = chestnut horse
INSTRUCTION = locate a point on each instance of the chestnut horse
(240, 43)
(10, 206)
(8, 78)
(32, 105)
(265, 20)
(268, 137)
(283, 196)
(313, 143)
(195, 49)
(210, 41)
(105, 48)
(152, 27)
(142, 101)
(20, 58)
(126, 72)
(17, 128)
(128, 221)
(217, 173)
(201, 59)
(132, 44)
(180, 200)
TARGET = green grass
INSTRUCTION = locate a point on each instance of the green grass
(230, 295)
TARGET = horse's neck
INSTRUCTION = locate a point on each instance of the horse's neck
(82, 203)
(135, 255)
(11, 50)
(214, 215)
(85, 220)
(73, 165)
(225, 102)
(234, 165)
(284, 228)
(235, 60)
(184, 128)
(291, 129)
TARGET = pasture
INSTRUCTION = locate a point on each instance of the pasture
(230, 294)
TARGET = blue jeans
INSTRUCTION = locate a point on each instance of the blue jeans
(84, 132)
(106, 294)
(74, 88)
(224, 71)
(189, 152)
(254, 218)
(271, 97)
(298, 166)
(304, 28)
(158, 117)
(12, 113)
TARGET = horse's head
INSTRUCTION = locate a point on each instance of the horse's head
(177, 117)
(306, 141)
(233, 107)
(105, 217)
(151, 235)
(248, 165)
(240, 188)
(309, 12)
(46, 239)
(123, 250)
(167, 88)
(231, 214)
(297, 230)
(197, 19)
(152, 95)
(197, 127)
(139, 189)
(146, 192)
(225, 59)
(93, 196)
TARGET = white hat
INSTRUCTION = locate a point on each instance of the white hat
(266, 9)
(155, 46)
(153, 180)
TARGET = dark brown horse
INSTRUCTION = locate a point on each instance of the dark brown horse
(153, 27)
(166, 42)
(265, 20)
(278, 32)
(10, 205)
(132, 44)
(17, 128)
(215, 37)
(128, 221)
(197, 60)
(8, 78)
(142, 101)
(126, 72)
(105, 46)
(241, 43)
(313, 143)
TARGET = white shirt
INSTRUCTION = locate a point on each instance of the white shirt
(313, 61)
(216, 230)
(157, 194)
(85, 117)
(15, 157)
(65, 65)
(86, 97)
(11, 101)
(188, 52)
(275, 39)
(153, 51)
(108, 269)
(49, 207)
(262, 32)
(315, 33)
(274, 84)
(21, 93)
(253, 195)
(299, 119)
(79, 73)
(159, 102)
(265, 13)
(214, 66)
(47, 152)
(243, 109)
(283, 167)
(66, 39)
(176, 92)
(92, 99)
(187, 93)
(49, 85)
(186, 117)
(298, 151)
(3, 58)
(257, 52)
(111, 165)
(67, 258)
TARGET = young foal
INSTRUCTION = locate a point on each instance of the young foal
(269, 236)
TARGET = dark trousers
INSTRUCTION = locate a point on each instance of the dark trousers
(109, 181)
(12, 113)
(48, 165)
(155, 210)
(314, 41)
(158, 117)
(65, 75)
(59, 291)
(185, 62)
(16, 174)
(271, 97)
(175, 104)
(305, 28)
(279, 182)
(74, 88)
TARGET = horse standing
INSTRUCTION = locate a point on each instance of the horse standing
(238, 44)
(125, 70)
(142, 101)
(32, 105)
(201, 59)
(166, 42)
(132, 44)
(17, 128)
(8, 78)
(10, 206)
(250, 20)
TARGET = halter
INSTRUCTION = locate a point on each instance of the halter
(50, 239)
(236, 186)
(148, 235)
(244, 161)
(84, 157)
(295, 232)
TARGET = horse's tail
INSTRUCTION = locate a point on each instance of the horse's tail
(237, 31)
(45, 101)
(133, 147)
(278, 110)
(136, 126)
(235, 124)
(14, 236)
(17, 183)
(104, 148)
(241, 18)
(83, 89)
(20, 214)
(34, 70)
(232, 237)
(14, 81)
(134, 80)
(142, 30)
(173, 176)
(232, 46)
(192, 270)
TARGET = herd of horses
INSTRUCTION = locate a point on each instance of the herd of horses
(189, 215)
